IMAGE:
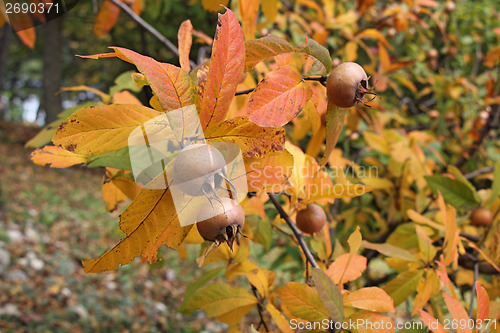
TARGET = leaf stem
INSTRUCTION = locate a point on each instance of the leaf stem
(150, 29)
(298, 234)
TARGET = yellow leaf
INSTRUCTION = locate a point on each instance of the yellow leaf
(351, 51)
(354, 241)
(279, 319)
(151, 215)
(379, 143)
(269, 173)
(253, 140)
(375, 34)
(112, 196)
(248, 11)
(270, 9)
(258, 277)
(378, 183)
(56, 157)
(222, 301)
(371, 298)
(334, 123)
(425, 290)
(214, 5)
(98, 129)
(302, 301)
(417, 218)
(371, 322)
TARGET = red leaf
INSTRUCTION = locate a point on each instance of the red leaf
(225, 69)
(106, 18)
(278, 98)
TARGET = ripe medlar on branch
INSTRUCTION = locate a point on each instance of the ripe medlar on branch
(347, 85)
(311, 219)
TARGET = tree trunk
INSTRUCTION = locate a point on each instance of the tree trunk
(52, 68)
(4, 42)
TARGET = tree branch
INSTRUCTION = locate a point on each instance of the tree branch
(298, 234)
(150, 29)
(479, 172)
(244, 92)
(260, 310)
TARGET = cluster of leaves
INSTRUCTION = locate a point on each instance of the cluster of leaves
(415, 222)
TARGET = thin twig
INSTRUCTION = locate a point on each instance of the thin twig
(150, 29)
(296, 232)
(260, 309)
(479, 172)
(244, 92)
(473, 291)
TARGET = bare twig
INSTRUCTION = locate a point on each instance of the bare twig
(150, 29)
(473, 291)
(260, 309)
(479, 172)
(244, 92)
(296, 232)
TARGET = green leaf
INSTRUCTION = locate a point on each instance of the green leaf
(262, 232)
(454, 191)
(124, 82)
(495, 187)
(458, 175)
(403, 285)
(319, 52)
(118, 159)
(200, 283)
(329, 294)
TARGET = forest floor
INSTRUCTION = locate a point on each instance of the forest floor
(50, 220)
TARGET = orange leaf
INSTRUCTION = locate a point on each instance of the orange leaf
(375, 34)
(492, 57)
(106, 18)
(27, 36)
(56, 157)
(112, 195)
(371, 298)
(278, 98)
(125, 97)
(483, 303)
(269, 173)
(425, 290)
(185, 39)
(173, 86)
(371, 322)
(339, 269)
(334, 124)
(457, 312)
(98, 129)
(225, 69)
(431, 322)
(149, 217)
(253, 140)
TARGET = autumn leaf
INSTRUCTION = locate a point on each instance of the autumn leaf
(278, 98)
(173, 86)
(427, 287)
(258, 277)
(302, 301)
(432, 323)
(279, 319)
(483, 303)
(185, 39)
(112, 196)
(224, 72)
(106, 18)
(98, 129)
(371, 322)
(403, 285)
(254, 141)
(56, 157)
(222, 301)
(150, 217)
(341, 268)
(269, 173)
(329, 294)
(214, 5)
(389, 250)
(457, 312)
(370, 298)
